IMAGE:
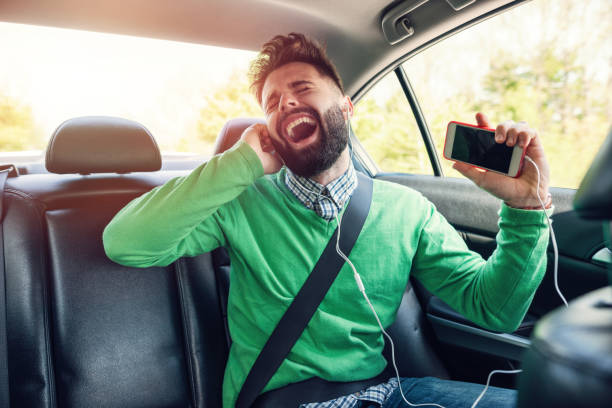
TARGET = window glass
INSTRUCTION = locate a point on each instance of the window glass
(183, 93)
(383, 122)
(547, 62)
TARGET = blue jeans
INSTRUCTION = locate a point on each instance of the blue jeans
(449, 394)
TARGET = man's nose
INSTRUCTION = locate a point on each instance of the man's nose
(287, 101)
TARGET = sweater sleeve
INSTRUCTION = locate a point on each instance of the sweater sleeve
(181, 217)
(496, 293)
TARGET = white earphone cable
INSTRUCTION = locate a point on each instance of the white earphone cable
(552, 234)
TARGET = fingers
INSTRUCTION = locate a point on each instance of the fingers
(258, 138)
(251, 131)
(265, 139)
(482, 120)
(258, 135)
(511, 133)
(514, 133)
(470, 172)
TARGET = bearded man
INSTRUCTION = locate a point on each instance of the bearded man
(274, 200)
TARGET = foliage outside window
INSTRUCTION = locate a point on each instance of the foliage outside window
(17, 128)
(546, 62)
(183, 93)
(385, 125)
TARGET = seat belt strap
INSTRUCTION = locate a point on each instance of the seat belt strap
(300, 311)
(4, 374)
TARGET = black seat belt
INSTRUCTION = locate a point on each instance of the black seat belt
(4, 375)
(298, 314)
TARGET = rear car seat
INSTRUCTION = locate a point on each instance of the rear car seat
(83, 331)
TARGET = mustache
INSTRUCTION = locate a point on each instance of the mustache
(303, 109)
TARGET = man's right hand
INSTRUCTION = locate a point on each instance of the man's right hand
(258, 137)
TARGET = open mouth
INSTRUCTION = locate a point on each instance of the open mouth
(300, 128)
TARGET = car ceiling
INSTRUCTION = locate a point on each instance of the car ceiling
(351, 29)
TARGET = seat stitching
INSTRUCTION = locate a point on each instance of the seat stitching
(179, 271)
(48, 347)
(20, 194)
(45, 295)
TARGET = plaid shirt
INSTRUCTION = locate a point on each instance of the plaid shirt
(327, 201)
(375, 394)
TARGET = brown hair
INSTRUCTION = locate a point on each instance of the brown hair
(282, 50)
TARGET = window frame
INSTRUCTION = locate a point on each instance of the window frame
(397, 67)
(420, 120)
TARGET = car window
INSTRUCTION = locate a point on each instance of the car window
(183, 93)
(384, 124)
(546, 62)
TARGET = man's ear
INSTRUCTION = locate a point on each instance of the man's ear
(348, 107)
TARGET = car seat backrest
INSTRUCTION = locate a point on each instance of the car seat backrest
(82, 330)
(231, 132)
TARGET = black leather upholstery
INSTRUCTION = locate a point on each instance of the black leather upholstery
(101, 144)
(86, 332)
(569, 363)
(117, 333)
(413, 339)
(232, 131)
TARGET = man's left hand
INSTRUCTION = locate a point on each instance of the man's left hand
(517, 192)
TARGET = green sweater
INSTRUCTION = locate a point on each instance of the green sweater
(274, 242)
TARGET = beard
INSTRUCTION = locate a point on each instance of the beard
(321, 154)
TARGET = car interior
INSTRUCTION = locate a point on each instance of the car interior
(82, 331)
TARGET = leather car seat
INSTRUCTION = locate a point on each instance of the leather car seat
(83, 331)
(569, 363)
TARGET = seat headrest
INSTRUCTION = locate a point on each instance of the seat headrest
(594, 196)
(101, 144)
(231, 132)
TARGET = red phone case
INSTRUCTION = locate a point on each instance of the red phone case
(470, 164)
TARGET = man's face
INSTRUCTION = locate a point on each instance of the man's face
(306, 115)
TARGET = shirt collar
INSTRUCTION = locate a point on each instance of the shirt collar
(325, 200)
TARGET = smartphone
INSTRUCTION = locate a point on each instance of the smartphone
(476, 146)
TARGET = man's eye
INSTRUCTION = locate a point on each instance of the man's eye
(302, 90)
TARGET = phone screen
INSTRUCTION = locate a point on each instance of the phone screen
(478, 147)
